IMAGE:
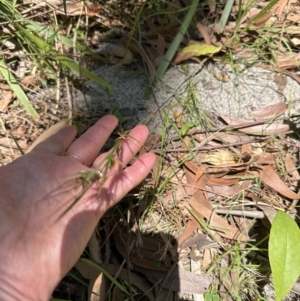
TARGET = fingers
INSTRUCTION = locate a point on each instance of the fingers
(59, 142)
(127, 150)
(89, 144)
(117, 186)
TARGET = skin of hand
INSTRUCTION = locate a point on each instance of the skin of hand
(40, 244)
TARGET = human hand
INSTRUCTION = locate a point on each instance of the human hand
(40, 239)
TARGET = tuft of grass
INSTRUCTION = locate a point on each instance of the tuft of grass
(39, 46)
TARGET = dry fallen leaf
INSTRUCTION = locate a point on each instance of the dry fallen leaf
(189, 230)
(219, 224)
(6, 96)
(204, 32)
(280, 6)
(265, 129)
(290, 167)
(97, 288)
(270, 111)
(220, 158)
(270, 178)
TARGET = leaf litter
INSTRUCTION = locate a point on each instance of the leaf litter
(227, 191)
(209, 225)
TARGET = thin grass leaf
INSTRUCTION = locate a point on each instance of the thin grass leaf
(65, 6)
(17, 144)
(173, 47)
(12, 82)
(225, 15)
(45, 31)
(70, 274)
(36, 40)
(264, 10)
(110, 277)
(64, 60)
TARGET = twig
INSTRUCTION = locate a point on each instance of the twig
(253, 214)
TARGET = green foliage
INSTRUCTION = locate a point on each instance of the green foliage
(174, 46)
(225, 15)
(212, 295)
(39, 40)
(284, 255)
(11, 80)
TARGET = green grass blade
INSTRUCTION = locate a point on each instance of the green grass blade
(66, 61)
(174, 46)
(62, 59)
(46, 32)
(13, 83)
(225, 15)
(264, 10)
(109, 276)
(17, 144)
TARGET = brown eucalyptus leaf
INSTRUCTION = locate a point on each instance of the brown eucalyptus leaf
(231, 190)
(189, 230)
(265, 129)
(270, 178)
(197, 189)
(219, 224)
(221, 181)
(270, 111)
(235, 121)
(180, 57)
(290, 166)
(230, 138)
(204, 32)
(263, 19)
(280, 6)
(97, 290)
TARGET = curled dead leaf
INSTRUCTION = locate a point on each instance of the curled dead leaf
(270, 178)
(220, 158)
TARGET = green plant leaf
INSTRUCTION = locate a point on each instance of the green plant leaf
(13, 83)
(284, 255)
(66, 61)
(187, 126)
(173, 47)
(62, 59)
(225, 15)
